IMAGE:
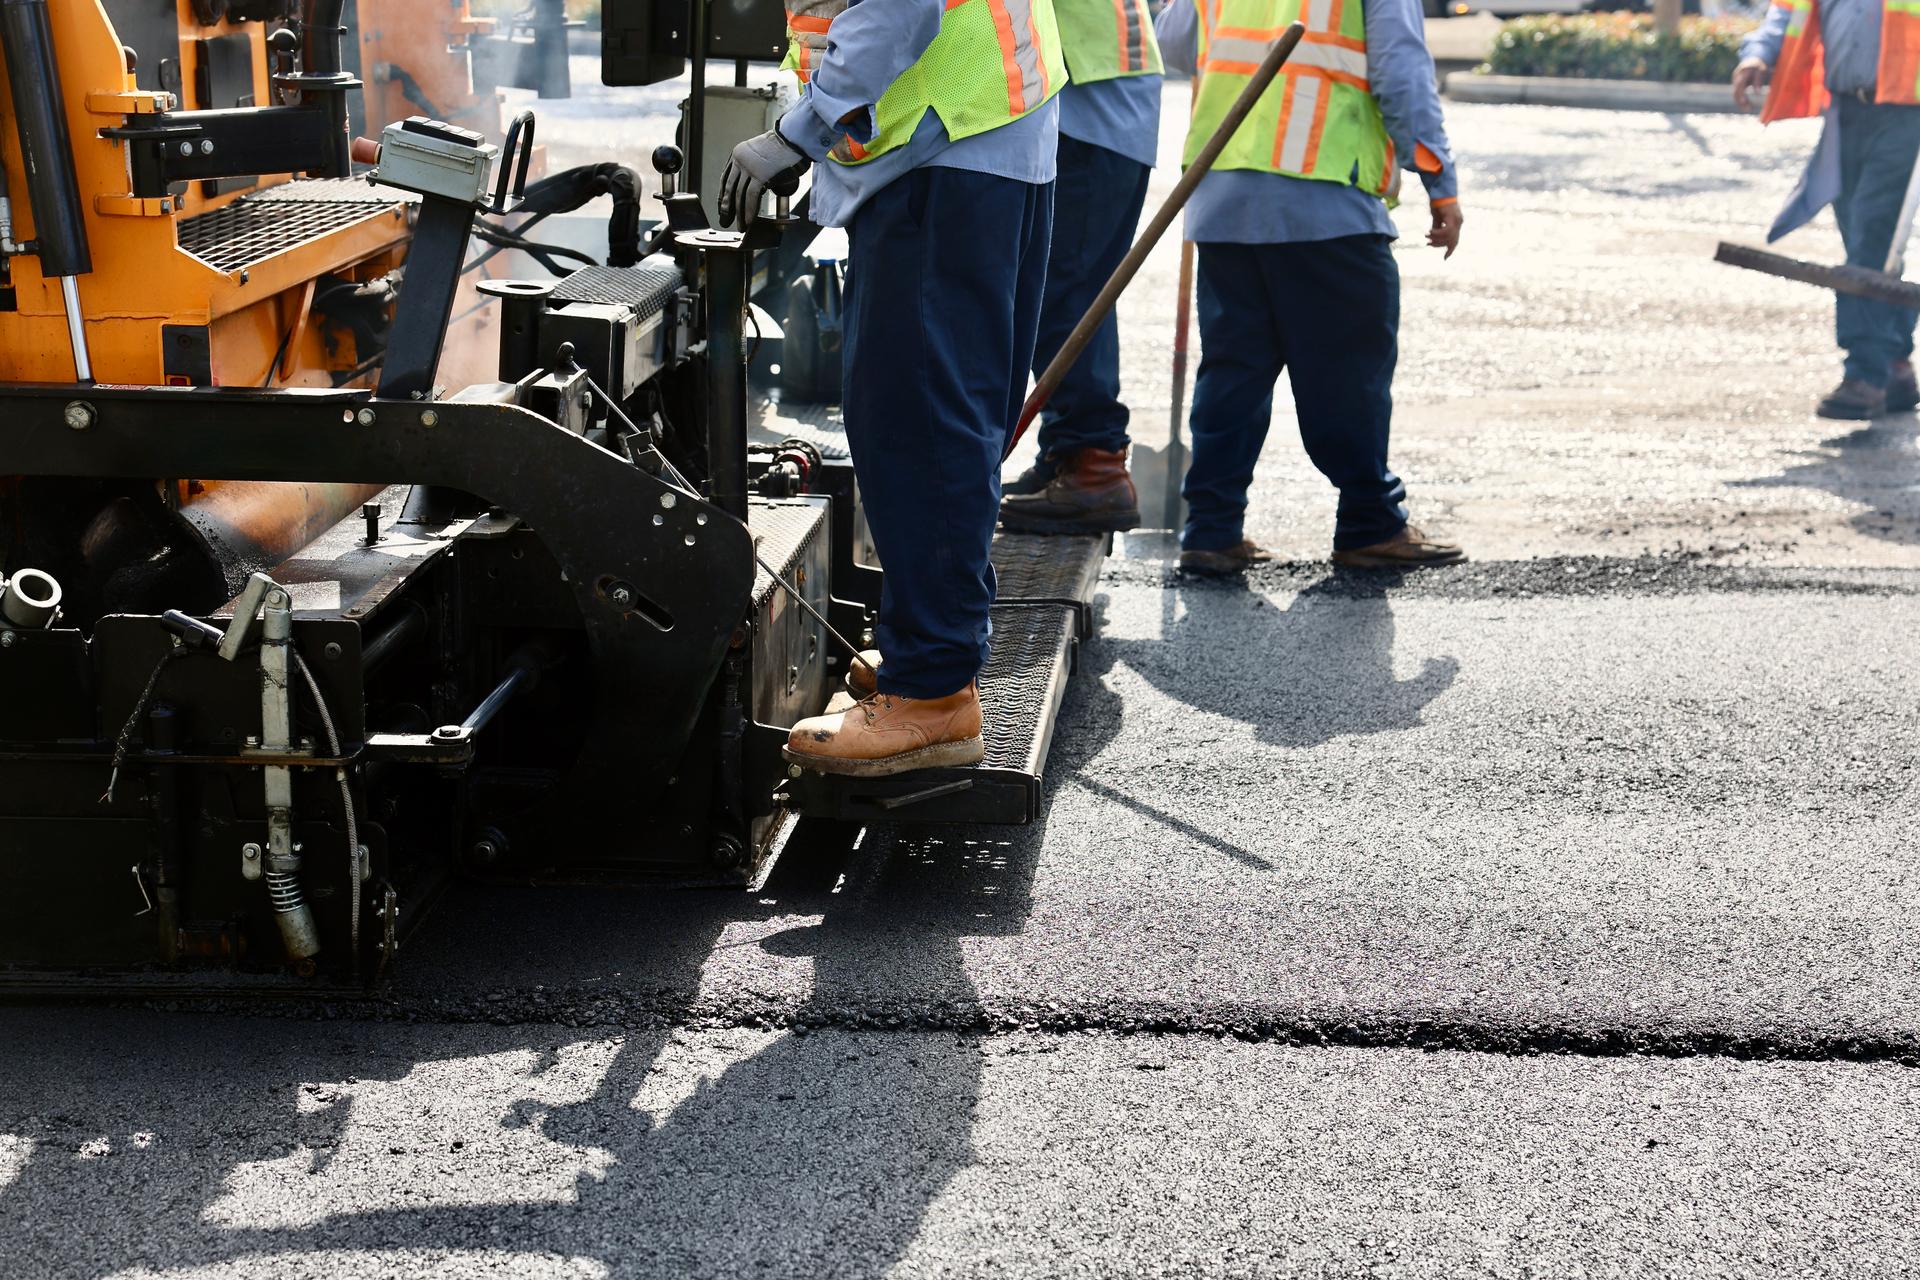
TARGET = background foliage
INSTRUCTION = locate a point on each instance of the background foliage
(1617, 46)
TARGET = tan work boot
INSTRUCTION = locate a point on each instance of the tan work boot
(1225, 561)
(863, 674)
(1090, 492)
(886, 734)
(1407, 549)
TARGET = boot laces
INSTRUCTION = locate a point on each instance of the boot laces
(868, 707)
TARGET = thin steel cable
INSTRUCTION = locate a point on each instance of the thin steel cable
(687, 488)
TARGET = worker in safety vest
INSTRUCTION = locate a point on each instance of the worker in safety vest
(935, 127)
(1296, 268)
(1109, 136)
(1857, 62)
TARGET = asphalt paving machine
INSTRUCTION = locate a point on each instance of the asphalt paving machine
(304, 615)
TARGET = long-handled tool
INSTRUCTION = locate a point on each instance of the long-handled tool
(1885, 285)
(1277, 54)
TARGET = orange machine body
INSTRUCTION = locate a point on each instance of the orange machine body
(215, 284)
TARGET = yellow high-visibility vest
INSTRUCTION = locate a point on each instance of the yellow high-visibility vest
(1108, 39)
(993, 62)
(1318, 119)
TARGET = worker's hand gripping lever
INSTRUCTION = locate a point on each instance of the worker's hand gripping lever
(450, 169)
(1277, 54)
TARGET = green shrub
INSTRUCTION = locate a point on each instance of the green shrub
(1617, 46)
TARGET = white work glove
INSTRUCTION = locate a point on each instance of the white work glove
(761, 164)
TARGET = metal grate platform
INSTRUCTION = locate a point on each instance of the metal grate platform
(1050, 569)
(1020, 693)
(272, 222)
(645, 289)
(820, 425)
(780, 529)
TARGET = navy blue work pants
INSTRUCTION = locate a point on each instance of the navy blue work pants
(1877, 149)
(1096, 207)
(1327, 312)
(944, 278)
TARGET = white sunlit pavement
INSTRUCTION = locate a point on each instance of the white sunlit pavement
(1547, 916)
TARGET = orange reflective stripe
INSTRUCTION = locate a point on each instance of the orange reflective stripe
(1386, 170)
(1287, 99)
(1009, 50)
(1313, 137)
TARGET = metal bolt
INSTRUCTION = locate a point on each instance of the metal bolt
(333, 649)
(793, 771)
(277, 600)
(364, 417)
(253, 740)
(206, 146)
(6, 639)
(701, 518)
(621, 596)
(485, 851)
(429, 418)
(666, 500)
(251, 852)
(245, 275)
(79, 415)
(690, 539)
(658, 519)
(186, 148)
(448, 733)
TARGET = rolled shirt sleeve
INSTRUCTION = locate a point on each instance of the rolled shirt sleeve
(870, 44)
(1764, 41)
(1400, 70)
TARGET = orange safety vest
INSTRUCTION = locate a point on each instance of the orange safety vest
(1799, 86)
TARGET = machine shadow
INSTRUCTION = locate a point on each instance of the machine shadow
(1326, 664)
(790, 1153)
(1877, 465)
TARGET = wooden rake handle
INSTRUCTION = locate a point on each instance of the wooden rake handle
(1277, 55)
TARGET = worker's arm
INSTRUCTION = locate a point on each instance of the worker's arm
(1400, 72)
(1758, 52)
(1763, 43)
(870, 44)
(1178, 31)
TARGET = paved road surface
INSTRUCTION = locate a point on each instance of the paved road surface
(1547, 917)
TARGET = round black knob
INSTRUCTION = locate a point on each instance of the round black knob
(283, 41)
(667, 159)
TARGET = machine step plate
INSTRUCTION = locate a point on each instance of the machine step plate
(1020, 694)
(1051, 569)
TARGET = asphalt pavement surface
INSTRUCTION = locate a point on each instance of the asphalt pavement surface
(1547, 916)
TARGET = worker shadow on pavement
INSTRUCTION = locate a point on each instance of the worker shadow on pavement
(1876, 465)
(1318, 668)
(764, 1104)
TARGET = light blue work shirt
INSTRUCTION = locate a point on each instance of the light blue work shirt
(1121, 115)
(870, 45)
(1849, 39)
(1251, 206)
(1850, 49)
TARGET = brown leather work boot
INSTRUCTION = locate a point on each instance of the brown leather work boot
(886, 734)
(1853, 401)
(863, 674)
(1407, 549)
(1090, 492)
(1903, 389)
(1225, 561)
